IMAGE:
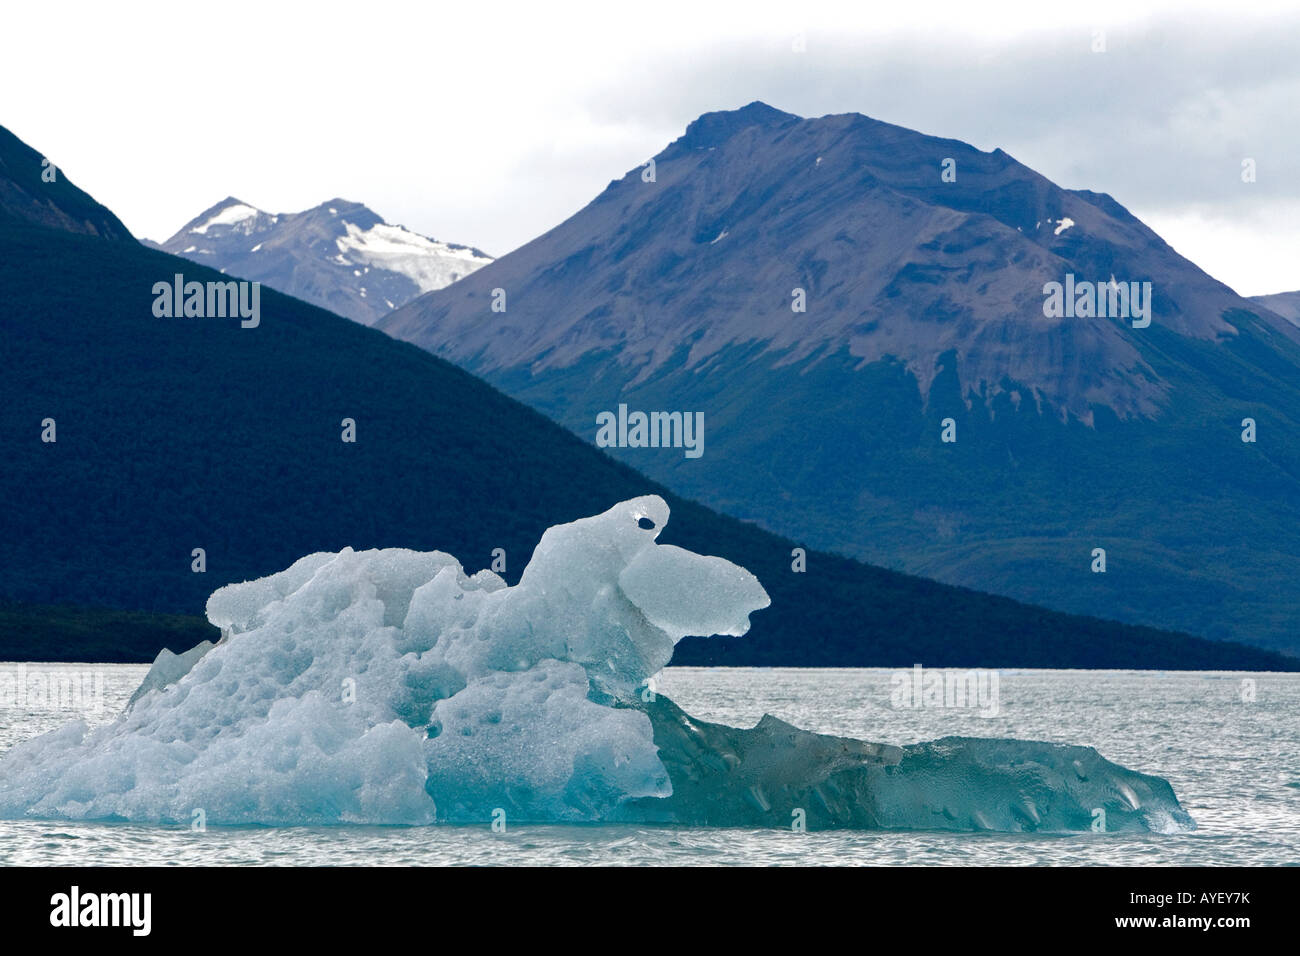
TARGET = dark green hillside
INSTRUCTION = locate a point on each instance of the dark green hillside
(41, 632)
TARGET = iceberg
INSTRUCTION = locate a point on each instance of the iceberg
(391, 687)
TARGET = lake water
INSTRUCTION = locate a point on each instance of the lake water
(1234, 763)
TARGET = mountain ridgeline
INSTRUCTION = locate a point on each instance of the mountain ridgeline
(860, 313)
(34, 191)
(132, 440)
(1285, 304)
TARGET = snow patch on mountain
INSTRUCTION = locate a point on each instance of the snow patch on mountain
(429, 263)
(228, 216)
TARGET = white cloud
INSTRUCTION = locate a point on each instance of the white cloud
(1255, 255)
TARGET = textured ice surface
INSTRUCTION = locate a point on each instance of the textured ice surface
(168, 668)
(762, 775)
(389, 686)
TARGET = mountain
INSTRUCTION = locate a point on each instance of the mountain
(176, 434)
(340, 255)
(1285, 304)
(925, 299)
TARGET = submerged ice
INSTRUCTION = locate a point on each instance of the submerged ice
(389, 686)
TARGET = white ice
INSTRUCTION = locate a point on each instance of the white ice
(391, 687)
(388, 686)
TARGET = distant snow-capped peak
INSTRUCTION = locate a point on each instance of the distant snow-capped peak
(339, 255)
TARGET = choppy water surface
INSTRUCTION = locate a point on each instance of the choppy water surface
(1234, 763)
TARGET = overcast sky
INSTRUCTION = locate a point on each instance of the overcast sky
(489, 123)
